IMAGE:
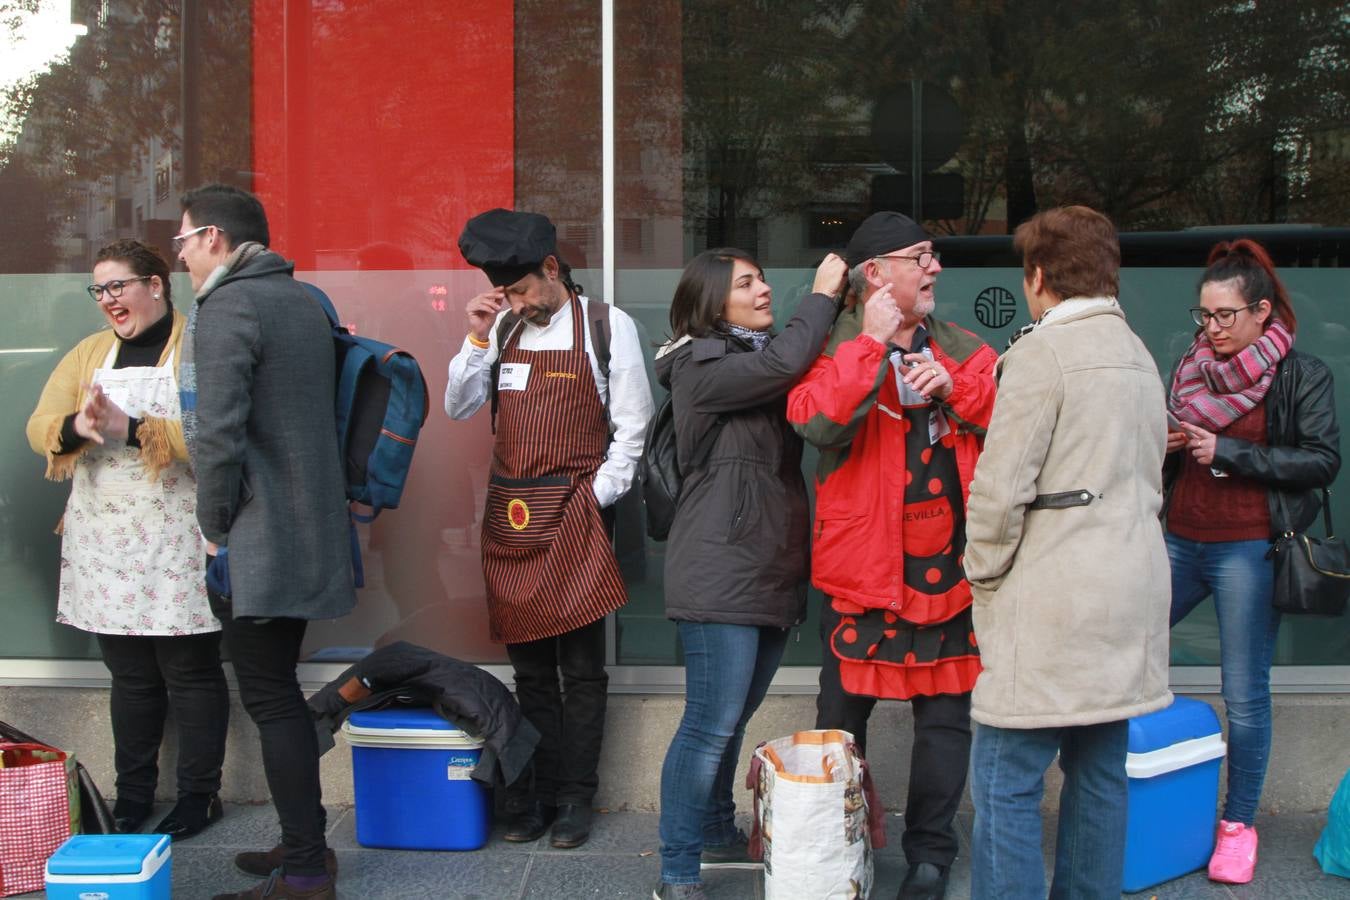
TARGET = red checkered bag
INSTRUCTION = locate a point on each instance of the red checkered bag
(35, 812)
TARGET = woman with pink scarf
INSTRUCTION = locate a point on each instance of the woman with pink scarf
(1254, 441)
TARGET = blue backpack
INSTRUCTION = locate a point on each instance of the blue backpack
(381, 406)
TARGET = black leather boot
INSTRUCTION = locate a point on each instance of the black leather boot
(530, 823)
(573, 826)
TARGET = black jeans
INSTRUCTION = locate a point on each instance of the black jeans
(264, 653)
(150, 676)
(570, 717)
(938, 762)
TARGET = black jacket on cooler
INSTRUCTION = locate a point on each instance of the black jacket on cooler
(465, 695)
(739, 550)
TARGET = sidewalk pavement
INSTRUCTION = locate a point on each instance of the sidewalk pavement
(621, 862)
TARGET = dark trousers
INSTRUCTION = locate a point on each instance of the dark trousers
(570, 715)
(150, 676)
(938, 761)
(264, 653)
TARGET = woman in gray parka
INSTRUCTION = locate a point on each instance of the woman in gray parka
(738, 558)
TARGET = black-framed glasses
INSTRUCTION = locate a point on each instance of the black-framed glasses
(1225, 317)
(922, 260)
(179, 239)
(114, 288)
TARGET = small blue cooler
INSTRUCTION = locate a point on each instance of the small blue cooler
(110, 867)
(413, 776)
(1173, 767)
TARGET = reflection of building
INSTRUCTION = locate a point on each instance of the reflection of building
(139, 199)
(118, 180)
(104, 132)
(142, 205)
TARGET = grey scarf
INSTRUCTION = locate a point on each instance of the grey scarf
(757, 339)
(187, 365)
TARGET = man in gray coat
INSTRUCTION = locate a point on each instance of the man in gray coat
(257, 380)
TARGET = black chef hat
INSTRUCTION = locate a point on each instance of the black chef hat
(879, 234)
(508, 245)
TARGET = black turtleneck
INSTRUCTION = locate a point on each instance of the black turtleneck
(144, 349)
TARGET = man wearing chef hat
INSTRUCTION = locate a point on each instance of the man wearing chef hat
(569, 427)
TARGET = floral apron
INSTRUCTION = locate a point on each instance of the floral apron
(131, 554)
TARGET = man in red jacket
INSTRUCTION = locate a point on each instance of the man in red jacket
(898, 403)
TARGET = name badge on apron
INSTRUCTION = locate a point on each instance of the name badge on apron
(513, 376)
(937, 426)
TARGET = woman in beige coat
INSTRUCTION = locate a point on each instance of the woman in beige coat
(1066, 561)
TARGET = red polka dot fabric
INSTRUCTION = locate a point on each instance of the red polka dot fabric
(934, 526)
(898, 660)
(929, 646)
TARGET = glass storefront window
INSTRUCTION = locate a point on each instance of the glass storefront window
(373, 130)
(777, 129)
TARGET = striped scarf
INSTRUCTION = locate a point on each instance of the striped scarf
(1214, 393)
(187, 359)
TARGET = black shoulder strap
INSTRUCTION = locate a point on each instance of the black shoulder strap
(504, 328)
(600, 335)
(703, 449)
(599, 325)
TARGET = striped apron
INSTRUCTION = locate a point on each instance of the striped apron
(547, 557)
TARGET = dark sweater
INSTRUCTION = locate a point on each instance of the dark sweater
(144, 349)
(1233, 508)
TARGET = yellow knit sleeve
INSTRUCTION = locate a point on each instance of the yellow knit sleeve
(61, 396)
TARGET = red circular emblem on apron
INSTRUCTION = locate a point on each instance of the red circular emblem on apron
(518, 514)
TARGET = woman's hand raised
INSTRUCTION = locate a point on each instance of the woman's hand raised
(831, 276)
(100, 418)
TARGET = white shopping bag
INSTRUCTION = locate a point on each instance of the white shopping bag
(817, 817)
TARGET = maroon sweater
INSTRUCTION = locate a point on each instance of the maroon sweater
(1209, 509)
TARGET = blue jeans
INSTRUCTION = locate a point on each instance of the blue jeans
(727, 669)
(1007, 771)
(1241, 579)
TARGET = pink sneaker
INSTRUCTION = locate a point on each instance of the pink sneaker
(1234, 858)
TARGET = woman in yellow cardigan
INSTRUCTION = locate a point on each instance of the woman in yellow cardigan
(131, 555)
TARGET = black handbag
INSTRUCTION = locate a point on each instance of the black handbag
(1312, 577)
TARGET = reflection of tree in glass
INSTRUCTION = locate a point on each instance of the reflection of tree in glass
(26, 230)
(93, 121)
(761, 83)
(217, 81)
(1163, 114)
(557, 118)
(1286, 105)
(90, 116)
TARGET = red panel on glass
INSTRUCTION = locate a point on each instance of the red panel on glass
(380, 127)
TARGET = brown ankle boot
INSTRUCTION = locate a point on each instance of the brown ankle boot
(260, 864)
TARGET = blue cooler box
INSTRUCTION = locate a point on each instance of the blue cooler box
(110, 867)
(413, 776)
(1173, 767)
